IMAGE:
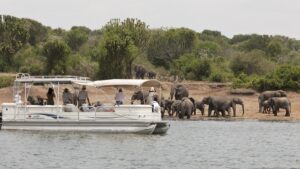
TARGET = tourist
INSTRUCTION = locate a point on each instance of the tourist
(50, 96)
(119, 97)
(67, 97)
(155, 105)
(152, 93)
(82, 97)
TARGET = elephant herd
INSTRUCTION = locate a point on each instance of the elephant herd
(141, 73)
(181, 105)
(272, 101)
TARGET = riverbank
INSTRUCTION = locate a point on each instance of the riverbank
(197, 90)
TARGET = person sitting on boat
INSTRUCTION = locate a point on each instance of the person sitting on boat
(40, 100)
(67, 97)
(155, 105)
(82, 97)
(119, 97)
(50, 96)
(31, 100)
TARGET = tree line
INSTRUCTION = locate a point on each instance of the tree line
(253, 61)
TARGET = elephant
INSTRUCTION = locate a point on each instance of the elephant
(266, 106)
(186, 107)
(219, 104)
(175, 107)
(167, 104)
(280, 102)
(140, 95)
(140, 72)
(199, 105)
(151, 75)
(268, 94)
(239, 101)
(179, 91)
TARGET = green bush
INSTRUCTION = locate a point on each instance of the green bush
(6, 81)
(285, 77)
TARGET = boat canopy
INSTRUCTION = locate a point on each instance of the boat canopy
(26, 78)
(124, 82)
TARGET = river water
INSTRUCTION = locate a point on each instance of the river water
(188, 144)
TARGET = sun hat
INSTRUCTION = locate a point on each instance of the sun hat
(152, 89)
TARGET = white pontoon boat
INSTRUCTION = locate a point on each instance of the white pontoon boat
(105, 119)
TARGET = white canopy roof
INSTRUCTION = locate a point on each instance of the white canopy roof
(125, 82)
(61, 80)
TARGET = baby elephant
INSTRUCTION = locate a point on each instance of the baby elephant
(280, 102)
(199, 105)
(266, 107)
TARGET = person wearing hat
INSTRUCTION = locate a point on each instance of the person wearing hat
(152, 93)
(83, 96)
(119, 97)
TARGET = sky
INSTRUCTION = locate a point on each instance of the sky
(230, 17)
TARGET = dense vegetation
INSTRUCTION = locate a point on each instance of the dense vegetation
(252, 61)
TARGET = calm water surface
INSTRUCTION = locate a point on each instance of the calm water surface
(188, 144)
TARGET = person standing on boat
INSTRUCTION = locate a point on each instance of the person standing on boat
(155, 105)
(67, 97)
(119, 97)
(152, 93)
(82, 97)
(50, 96)
(17, 98)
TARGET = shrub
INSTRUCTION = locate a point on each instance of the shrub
(6, 81)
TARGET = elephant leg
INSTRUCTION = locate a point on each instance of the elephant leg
(234, 110)
(209, 112)
(260, 106)
(223, 113)
(287, 112)
(188, 115)
(216, 113)
(180, 116)
(202, 111)
(275, 112)
(169, 113)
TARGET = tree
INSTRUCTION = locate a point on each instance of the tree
(116, 57)
(76, 37)
(13, 35)
(254, 62)
(37, 32)
(56, 53)
(165, 46)
(118, 48)
(274, 48)
(258, 42)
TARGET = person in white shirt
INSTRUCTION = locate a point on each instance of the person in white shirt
(155, 105)
(119, 97)
(18, 98)
(152, 93)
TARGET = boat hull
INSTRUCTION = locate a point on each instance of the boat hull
(96, 126)
(161, 127)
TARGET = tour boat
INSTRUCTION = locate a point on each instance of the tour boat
(107, 118)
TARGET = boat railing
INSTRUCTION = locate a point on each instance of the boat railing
(85, 113)
(28, 76)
